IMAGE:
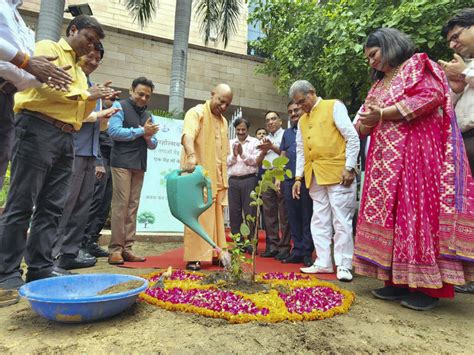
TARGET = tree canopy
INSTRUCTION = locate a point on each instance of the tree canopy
(322, 41)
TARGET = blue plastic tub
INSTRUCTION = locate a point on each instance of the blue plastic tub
(74, 299)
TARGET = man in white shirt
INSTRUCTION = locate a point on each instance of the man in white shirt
(242, 171)
(459, 32)
(274, 207)
(327, 147)
(19, 71)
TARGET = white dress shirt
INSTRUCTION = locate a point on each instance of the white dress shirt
(275, 138)
(344, 125)
(15, 36)
(246, 163)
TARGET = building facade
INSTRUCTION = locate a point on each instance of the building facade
(131, 51)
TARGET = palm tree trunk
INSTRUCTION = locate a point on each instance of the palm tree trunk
(50, 20)
(182, 21)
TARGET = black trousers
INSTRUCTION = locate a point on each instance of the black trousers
(7, 132)
(100, 207)
(76, 212)
(41, 172)
(239, 201)
(276, 222)
(299, 217)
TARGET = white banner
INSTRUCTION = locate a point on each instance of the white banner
(153, 213)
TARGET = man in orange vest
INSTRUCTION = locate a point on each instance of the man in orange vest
(327, 147)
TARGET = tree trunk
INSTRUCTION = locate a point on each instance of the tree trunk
(50, 20)
(182, 21)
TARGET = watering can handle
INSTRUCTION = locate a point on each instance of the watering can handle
(209, 194)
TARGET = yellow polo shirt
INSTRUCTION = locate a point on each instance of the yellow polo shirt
(71, 107)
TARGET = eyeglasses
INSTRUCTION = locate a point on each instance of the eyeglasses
(455, 37)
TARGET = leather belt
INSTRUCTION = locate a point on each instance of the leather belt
(241, 177)
(7, 87)
(63, 126)
(468, 134)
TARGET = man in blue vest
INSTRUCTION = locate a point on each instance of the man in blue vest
(299, 210)
(133, 133)
(86, 155)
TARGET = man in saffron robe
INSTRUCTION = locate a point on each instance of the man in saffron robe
(205, 143)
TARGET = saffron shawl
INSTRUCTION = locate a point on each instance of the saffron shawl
(416, 223)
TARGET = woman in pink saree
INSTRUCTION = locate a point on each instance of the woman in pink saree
(416, 224)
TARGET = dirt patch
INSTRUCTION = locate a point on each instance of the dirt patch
(244, 285)
(121, 287)
(371, 326)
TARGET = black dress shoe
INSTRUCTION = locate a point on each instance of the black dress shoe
(293, 259)
(85, 255)
(70, 262)
(282, 255)
(95, 250)
(249, 250)
(44, 274)
(269, 254)
(307, 260)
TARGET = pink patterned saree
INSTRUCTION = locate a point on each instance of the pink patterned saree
(416, 223)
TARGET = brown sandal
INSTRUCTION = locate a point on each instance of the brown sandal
(193, 265)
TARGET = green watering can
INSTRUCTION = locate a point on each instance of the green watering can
(186, 202)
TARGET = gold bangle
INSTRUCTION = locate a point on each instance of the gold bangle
(381, 114)
(298, 178)
(25, 61)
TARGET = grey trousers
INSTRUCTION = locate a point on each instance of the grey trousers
(41, 172)
(76, 212)
(7, 132)
(239, 201)
(276, 222)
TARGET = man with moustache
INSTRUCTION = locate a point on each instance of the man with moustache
(205, 142)
(86, 156)
(242, 170)
(459, 32)
(327, 147)
(299, 210)
(133, 132)
(43, 157)
(274, 208)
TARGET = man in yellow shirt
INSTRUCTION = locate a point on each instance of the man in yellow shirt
(43, 156)
(327, 147)
(205, 143)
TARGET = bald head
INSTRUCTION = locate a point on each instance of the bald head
(221, 98)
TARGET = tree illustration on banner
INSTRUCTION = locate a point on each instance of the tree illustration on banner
(146, 218)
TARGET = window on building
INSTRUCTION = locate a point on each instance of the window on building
(254, 33)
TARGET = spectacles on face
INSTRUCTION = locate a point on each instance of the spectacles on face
(455, 37)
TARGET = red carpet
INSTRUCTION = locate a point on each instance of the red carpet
(174, 258)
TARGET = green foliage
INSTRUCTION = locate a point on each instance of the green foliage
(166, 114)
(274, 171)
(323, 41)
(146, 218)
(142, 10)
(5, 187)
